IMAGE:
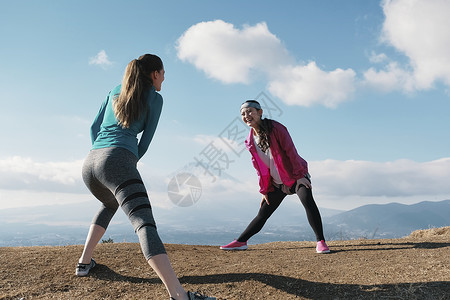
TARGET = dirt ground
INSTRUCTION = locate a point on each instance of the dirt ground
(415, 267)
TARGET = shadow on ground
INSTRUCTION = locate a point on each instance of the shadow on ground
(378, 246)
(302, 288)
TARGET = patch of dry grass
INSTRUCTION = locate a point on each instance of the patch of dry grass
(430, 233)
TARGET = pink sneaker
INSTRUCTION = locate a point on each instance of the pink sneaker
(322, 247)
(235, 245)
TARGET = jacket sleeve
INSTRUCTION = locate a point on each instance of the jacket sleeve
(297, 165)
(150, 126)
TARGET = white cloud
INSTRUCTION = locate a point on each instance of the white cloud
(204, 140)
(234, 55)
(420, 30)
(401, 178)
(21, 173)
(229, 54)
(309, 85)
(377, 58)
(27, 198)
(390, 79)
(101, 59)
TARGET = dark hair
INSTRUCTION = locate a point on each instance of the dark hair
(265, 129)
(131, 102)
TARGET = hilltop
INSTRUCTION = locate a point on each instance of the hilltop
(414, 267)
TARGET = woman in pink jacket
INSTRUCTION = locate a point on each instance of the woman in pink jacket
(281, 172)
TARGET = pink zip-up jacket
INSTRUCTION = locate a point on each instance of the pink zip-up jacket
(288, 162)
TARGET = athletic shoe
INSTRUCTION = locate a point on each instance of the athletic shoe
(322, 247)
(235, 245)
(83, 269)
(196, 296)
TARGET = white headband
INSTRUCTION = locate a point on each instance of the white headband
(251, 104)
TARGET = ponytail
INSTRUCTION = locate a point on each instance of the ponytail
(131, 103)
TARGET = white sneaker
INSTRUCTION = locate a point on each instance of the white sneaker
(83, 269)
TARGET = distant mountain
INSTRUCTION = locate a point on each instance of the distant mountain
(68, 224)
(389, 220)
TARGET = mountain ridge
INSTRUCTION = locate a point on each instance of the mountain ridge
(41, 226)
(393, 220)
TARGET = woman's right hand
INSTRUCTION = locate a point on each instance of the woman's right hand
(265, 199)
(304, 181)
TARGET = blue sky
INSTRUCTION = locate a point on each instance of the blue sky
(362, 86)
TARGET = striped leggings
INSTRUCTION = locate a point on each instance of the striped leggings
(112, 177)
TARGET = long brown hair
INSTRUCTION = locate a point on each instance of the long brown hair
(131, 103)
(265, 129)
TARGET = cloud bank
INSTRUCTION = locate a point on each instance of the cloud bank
(21, 173)
(354, 183)
(382, 179)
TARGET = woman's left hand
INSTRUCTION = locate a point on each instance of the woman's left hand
(304, 182)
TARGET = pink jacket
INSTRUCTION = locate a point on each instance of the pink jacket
(289, 164)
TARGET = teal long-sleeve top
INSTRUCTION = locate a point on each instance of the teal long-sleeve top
(106, 131)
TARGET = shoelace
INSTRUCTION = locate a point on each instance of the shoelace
(82, 266)
(199, 296)
(196, 294)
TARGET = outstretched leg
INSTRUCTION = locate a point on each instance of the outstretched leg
(266, 210)
(161, 265)
(312, 212)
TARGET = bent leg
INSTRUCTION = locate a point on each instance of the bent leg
(95, 234)
(116, 169)
(103, 217)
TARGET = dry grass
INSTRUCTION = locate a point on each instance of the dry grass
(430, 233)
(415, 267)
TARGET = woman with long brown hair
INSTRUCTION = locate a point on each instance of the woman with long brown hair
(281, 172)
(110, 170)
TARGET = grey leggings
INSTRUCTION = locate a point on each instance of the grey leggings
(112, 177)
